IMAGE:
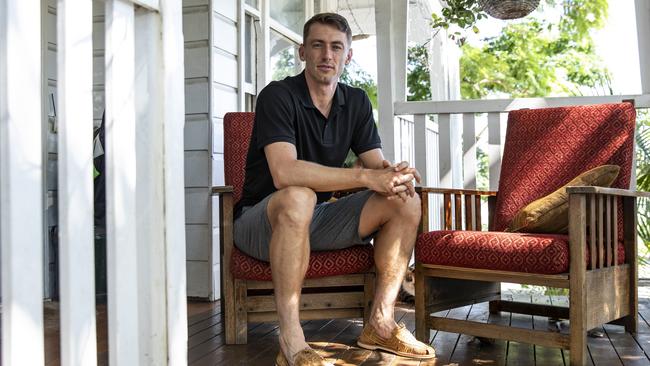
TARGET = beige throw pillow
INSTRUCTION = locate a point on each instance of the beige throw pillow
(550, 214)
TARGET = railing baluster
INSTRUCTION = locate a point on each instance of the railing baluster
(477, 211)
(173, 118)
(469, 151)
(76, 266)
(592, 232)
(447, 211)
(495, 122)
(21, 183)
(599, 216)
(121, 245)
(421, 148)
(445, 147)
(615, 228)
(458, 211)
(469, 222)
(608, 229)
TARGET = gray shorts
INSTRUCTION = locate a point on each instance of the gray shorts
(335, 225)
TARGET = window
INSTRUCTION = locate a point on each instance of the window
(289, 13)
(285, 60)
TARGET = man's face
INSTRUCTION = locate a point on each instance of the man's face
(325, 52)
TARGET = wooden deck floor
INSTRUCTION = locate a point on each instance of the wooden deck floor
(335, 339)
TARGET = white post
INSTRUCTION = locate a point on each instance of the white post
(642, 8)
(121, 244)
(21, 162)
(150, 229)
(76, 247)
(469, 151)
(263, 46)
(174, 194)
(391, 18)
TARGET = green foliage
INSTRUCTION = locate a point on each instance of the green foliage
(418, 79)
(354, 75)
(285, 64)
(539, 58)
(462, 13)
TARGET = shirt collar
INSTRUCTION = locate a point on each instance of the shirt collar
(305, 97)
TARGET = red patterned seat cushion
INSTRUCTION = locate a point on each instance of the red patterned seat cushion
(355, 259)
(530, 253)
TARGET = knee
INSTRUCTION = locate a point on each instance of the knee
(292, 207)
(410, 211)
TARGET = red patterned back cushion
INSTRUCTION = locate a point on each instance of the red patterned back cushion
(546, 148)
(237, 131)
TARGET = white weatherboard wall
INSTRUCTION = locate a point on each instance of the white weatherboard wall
(210, 30)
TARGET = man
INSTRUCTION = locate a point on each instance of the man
(304, 128)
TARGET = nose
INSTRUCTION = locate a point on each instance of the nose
(327, 53)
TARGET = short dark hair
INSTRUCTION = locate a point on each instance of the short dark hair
(333, 19)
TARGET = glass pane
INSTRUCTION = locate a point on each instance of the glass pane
(253, 3)
(290, 13)
(285, 60)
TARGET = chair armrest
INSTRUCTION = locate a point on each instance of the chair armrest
(472, 192)
(221, 190)
(608, 191)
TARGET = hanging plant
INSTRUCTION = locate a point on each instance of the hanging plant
(464, 14)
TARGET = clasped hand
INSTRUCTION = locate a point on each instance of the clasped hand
(396, 181)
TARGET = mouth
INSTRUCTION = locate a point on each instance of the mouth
(325, 68)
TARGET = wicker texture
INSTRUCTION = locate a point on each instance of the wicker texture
(508, 9)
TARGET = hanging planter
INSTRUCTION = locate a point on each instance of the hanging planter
(508, 9)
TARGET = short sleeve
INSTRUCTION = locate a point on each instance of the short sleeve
(366, 136)
(274, 115)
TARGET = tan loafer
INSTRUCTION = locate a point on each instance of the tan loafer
(401, 343)
(306, 357)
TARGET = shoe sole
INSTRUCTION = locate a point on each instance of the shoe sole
(403, 354)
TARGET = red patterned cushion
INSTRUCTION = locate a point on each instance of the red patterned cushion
(356, 259)
(237, 131)
(546, 148)
(531, 253)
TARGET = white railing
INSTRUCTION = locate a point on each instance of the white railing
(144, 88)
(443, 137)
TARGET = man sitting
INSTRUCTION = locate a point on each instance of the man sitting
(304, 127)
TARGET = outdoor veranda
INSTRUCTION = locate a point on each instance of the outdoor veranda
(166, 72)
(335, 339)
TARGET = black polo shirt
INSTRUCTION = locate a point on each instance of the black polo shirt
(285, 112)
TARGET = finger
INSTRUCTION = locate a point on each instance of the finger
(411, 189)
(400, 188)
(403, 179)
(401, 166)
(386, 164)
(403, 196)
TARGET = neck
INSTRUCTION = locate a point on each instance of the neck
(321, 94)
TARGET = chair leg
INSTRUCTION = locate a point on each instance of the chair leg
(368, 295)
(241, 317)
(422, 331)
(494, 306)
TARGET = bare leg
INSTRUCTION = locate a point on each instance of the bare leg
(290, 211)
(397, 222)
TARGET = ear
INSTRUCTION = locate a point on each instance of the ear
(301, 52)
(348, 58)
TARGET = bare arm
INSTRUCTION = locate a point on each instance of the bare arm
(287, 170)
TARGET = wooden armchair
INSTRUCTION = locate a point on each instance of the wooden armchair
(339, 283)
(596, 261)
